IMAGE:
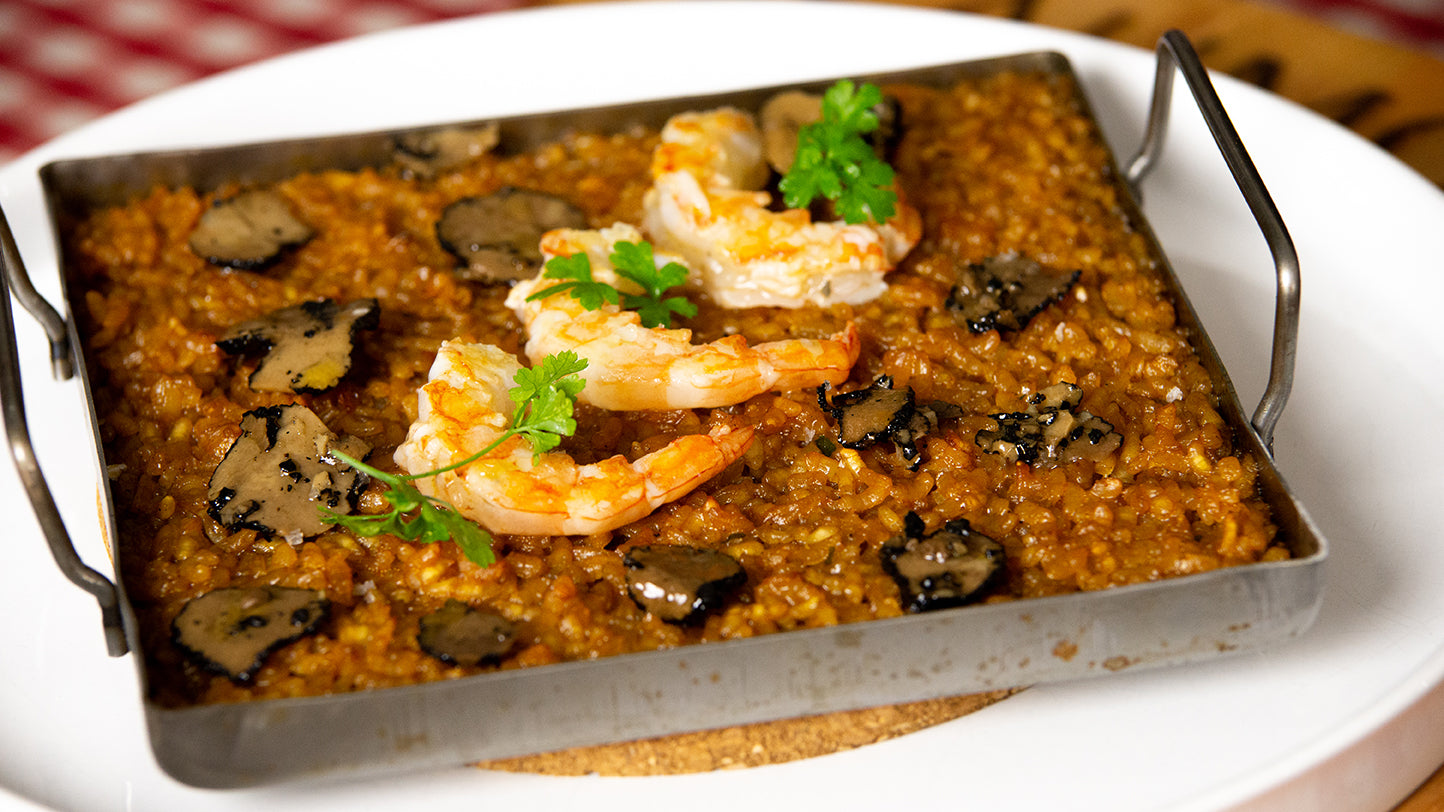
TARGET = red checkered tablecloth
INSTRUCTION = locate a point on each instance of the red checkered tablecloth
(64, 62)
(1419, 23)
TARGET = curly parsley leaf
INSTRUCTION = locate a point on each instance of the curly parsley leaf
(545, 398)
(414, 515)
(577, 270)
(835, 162)
(634, 261)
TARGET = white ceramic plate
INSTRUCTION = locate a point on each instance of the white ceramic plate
(1321, 721)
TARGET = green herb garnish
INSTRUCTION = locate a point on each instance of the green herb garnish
(577, 270)
(635, 261)
(631, 260)
(834, 161)
(545, 398)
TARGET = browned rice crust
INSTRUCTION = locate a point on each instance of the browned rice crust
(998, 165)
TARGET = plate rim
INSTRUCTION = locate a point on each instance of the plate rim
(1403, 696)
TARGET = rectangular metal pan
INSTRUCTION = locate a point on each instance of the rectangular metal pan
(501, 714)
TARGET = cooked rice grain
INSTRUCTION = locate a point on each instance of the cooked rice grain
(1004, 164)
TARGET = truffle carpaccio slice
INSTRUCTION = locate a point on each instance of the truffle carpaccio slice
(302, 348)
(426, 153)
(248, 231)
(881, 413)
(1005, 292)
(497, 237)
(460, 634)
(232, 630)
(279, 473)
(680, 584)
(949, 567)
(782, 117)
(1053, 431)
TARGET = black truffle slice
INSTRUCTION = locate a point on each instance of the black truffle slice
(458, 634)
(232, 630)
(248, 231)
(303, 348)
(279, 473)
(1005, 292)
(950, 567)
(496, 238)
(1059, 396)
(1052, 431)
(680, 584)
(781, 118)
(866, 416)
(424, 153)
(880, 413)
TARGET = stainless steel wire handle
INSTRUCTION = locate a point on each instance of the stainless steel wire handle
(13, 279)
(61, 363)
(1176, 54)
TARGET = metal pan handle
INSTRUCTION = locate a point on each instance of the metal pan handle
(17, 432)
(1176, 53)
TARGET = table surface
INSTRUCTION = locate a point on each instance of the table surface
(1371, 65)
(63, 62)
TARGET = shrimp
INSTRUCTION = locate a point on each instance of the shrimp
(719, 148)
(631, 367)
(704, 205)
(464, 406)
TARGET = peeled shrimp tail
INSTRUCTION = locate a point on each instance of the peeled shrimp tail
(809, 363)
(704, 205)
(632, 367)
(464, 407)
(722, 147)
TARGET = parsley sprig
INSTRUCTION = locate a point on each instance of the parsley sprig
(633, 261)
(577, 270)
(834, 161)
(545, 398)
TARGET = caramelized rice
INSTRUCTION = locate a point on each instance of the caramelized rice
(999, 165)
